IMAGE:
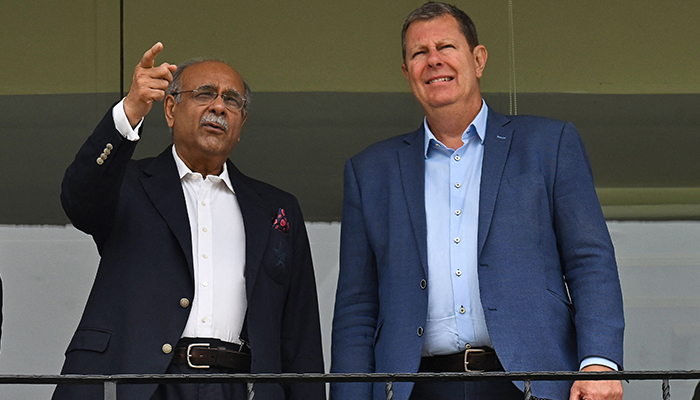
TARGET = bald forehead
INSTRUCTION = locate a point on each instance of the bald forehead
(212, 73)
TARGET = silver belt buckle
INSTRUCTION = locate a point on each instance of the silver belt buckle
(189, 354)
(466, 361)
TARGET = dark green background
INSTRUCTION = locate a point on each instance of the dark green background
(300, 141)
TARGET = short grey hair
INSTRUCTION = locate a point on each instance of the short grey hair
(176, 84)
(436, 9)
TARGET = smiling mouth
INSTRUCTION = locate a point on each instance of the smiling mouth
(443, 79)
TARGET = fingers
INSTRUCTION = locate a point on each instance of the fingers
(148, 85)
(149, 57)
(596, 390)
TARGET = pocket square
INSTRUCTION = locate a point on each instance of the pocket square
(280, 222)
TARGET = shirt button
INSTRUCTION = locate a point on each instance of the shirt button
(204, 203)
(423, 284)
(458, 272)
(457, 240)
(204, 319)
(204, 229)
(468, 346)
(167, 348)
(205, 284)
(184, 303)
(457, 158)
(204, 256)
(420, 331)
(457, 212)
(458, 185)
(462, 310)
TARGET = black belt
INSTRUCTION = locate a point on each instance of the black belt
(474, 360)
(206, 353)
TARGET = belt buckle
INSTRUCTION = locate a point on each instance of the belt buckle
(466, 360)
(189, 355)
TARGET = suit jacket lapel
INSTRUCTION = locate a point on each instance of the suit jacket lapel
(412, 169)
(163, 188)
(256, 221)
(496, 148)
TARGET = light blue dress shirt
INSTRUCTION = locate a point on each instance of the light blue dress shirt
(452, 184)
(452, 177)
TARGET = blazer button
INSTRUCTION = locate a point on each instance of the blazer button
(423, 284)
(184, 303)
(420, 331)
(100, 161)
(109, 146)
(167, 348)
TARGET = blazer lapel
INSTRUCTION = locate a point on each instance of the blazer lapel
(412, 169)
(256, 221)
(163, 188)
(496, 148)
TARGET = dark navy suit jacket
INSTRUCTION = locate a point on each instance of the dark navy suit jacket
(547, 272)
(136, 213)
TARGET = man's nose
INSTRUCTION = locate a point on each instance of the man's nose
(434, 58)
(218, 106)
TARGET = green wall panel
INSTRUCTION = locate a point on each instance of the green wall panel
(643, 148)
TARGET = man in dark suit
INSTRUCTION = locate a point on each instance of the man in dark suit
(475, 243)
(203, 269)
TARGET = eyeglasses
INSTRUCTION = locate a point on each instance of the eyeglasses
(232, 100)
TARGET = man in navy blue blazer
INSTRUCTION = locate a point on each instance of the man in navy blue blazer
(476, 243)
(203, 269)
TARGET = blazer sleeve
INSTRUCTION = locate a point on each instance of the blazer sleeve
(357, 299)
(91, 184)
(587, 254)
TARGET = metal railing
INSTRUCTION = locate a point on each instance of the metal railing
(110, 382)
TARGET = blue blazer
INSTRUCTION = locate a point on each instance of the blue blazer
(136, 213)
(547, 272)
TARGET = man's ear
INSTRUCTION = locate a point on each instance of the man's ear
(169, 105)
(480, 57)
(404, 70)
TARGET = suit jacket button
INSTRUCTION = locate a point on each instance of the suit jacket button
(167, 348)
(100, 161)
(103, 156)
(423, 283)
(107, 151)
(184, 303)
(109, 146)
(420, 331)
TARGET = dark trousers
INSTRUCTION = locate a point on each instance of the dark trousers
(477, 390)
(199, 391)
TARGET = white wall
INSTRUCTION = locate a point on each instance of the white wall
(47, 273)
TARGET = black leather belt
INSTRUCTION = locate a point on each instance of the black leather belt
(474, 360)
(204, 355)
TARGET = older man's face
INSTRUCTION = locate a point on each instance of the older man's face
(440, 66)
(201, 131)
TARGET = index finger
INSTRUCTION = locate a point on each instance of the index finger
(149, 57)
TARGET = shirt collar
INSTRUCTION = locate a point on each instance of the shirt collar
(479, 124)
(183, 170)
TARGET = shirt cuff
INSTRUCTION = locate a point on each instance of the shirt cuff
(599, 361)
(121, 122)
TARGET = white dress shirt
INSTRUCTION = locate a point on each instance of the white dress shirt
(218, 247)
